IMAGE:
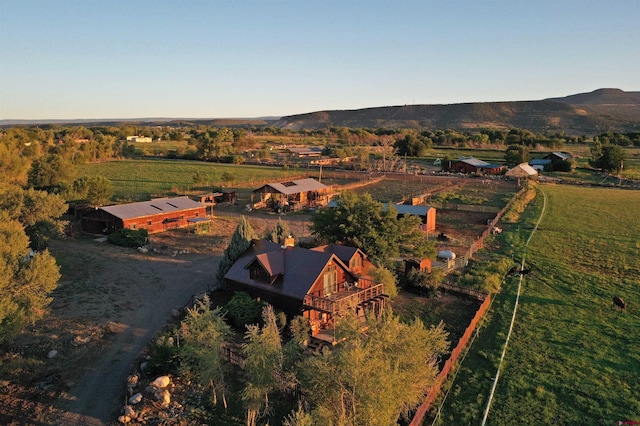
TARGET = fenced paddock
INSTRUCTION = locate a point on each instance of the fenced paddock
(448, 365)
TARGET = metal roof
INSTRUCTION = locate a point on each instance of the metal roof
(412, 210)
(298, 268)
(152, 208)
(479, 163)
(539, 161)
(293, 186)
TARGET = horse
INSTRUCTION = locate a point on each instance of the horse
(618, 302)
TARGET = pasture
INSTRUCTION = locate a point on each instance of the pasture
(143, 179)
(573, 358)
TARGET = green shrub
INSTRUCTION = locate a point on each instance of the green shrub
(129, 237)
(243, 310)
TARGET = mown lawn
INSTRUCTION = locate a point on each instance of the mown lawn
(572, 359)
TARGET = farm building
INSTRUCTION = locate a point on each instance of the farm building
(557, 156)
(539, 163)
(473, 165)
(522, 170)
(155, 216)
(322, 282)
(303, 152)
(291, 195)
(426, 213)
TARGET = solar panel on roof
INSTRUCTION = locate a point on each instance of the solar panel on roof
(288, 184)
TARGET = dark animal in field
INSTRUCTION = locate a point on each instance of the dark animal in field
(618, 302)
(525, 272)
(513, 270)
(443, 237)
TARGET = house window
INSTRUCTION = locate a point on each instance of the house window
(181, 216)
(148, 222)
(133, 226)
(330, 279)
(197, 214)
(257, 273)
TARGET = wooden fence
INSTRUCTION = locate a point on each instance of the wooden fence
(432, 393)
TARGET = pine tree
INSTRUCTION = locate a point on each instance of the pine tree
(240, 242)
(279, 232)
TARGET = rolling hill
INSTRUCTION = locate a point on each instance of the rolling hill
(585, 113)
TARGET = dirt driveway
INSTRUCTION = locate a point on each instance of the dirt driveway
(132, 295)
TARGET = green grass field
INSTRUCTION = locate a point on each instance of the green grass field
(572, 359)
(142, 179)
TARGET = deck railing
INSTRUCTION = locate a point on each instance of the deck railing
(348, 297)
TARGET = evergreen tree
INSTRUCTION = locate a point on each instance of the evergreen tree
(240, 242)
(279, 232)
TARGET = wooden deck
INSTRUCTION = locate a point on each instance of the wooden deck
(348, 298)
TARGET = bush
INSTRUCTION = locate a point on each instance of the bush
(129, 237)
(243, 310)
(428, 282)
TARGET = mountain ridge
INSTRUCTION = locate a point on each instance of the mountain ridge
(594, 112)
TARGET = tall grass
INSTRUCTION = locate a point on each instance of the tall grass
(573, 359)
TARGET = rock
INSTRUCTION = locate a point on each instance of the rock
(132, 380)
(144, 366)
(135, 399)
(52, 354)
(175, 313)
(163, 396)
(124, 419)
(129, 412)
(161, 382)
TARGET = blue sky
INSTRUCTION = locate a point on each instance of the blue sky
(202, 59)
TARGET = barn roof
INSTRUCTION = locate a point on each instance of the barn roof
(152, 208)
(479, 163)
(298, 268)
(407, 209)
(292, 187)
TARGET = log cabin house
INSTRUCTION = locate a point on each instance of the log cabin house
(321, 283)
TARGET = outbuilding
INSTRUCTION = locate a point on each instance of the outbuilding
(426, 213)
(473, 165)
(156, 215)
(522, 170)
(291, 195)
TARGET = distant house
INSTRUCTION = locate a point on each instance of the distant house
(557, 156)
(320, 283)
(291, 195)
(522, 170)
(156, 215)
(304, 152)
(426, 213)
(139, 139)
(473, 165)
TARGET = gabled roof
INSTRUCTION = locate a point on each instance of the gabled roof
(521, 170)
(298, 268)
(479, 163)
(312, 150)
(407, 209)
(344, 253)
(560, 155)
(152, 208)
(292, 187)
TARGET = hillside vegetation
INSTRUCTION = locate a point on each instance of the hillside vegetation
(601, 110)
